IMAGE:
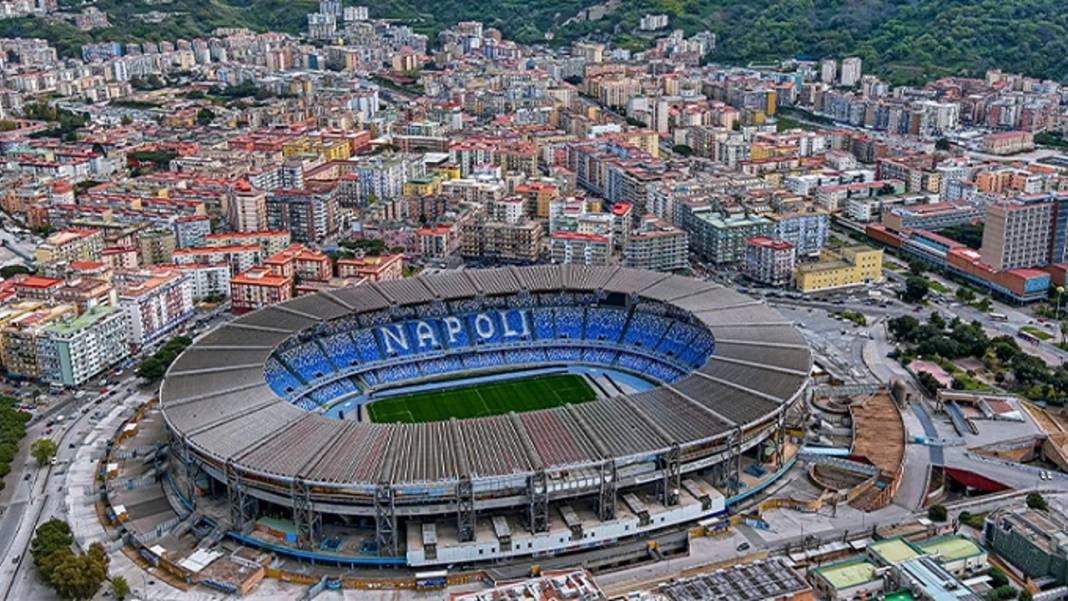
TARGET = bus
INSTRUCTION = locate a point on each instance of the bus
(999, 317)
(437, 579)
(1028, 336)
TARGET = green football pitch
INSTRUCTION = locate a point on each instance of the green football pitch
(477, 400)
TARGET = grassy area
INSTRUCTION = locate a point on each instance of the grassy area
(854, 316)
(937, 286)
(492, 398)
(1037, 332)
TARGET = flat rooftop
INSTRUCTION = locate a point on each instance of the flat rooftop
(951, 548)
(894, 550)
(849, 573)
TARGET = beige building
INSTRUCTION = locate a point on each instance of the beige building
(1017, 235)
(851, 266)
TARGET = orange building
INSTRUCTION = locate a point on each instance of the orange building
(258, 287)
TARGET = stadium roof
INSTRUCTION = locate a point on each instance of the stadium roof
(216, 398)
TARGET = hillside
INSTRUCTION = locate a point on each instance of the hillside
(905, 40)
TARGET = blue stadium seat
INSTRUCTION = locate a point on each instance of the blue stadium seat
(544, 324)
(341, 350)
(307, 361)
(676, 340)
(605, 324)
(568, 322)
(366, 346)
(564, 354)
(281, 381)
(645, 330)
(599, 356)
(633, 362)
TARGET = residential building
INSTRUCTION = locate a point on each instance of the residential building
(309, 215)
(238, 257)
(301, 263)
(18, 346)
(851, 71)
(517, 241)
(157, 246)
(375, 269)
(850, 266)
(657, 245)
(806, 231)
(191, 230)
(580, 249)
(155, 302)
(258, 287)
(207, 281)
(248, 209)
(271, 241)
(721, 239)
(769, 261)
(72, 351)
(70, 245)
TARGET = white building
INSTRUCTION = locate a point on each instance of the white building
(154, 302)
(73, 352)
(851, 71)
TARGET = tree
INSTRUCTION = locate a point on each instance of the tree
(8, 271)
(43, 450)
(682, 150)
(126, 120)
(937, 513)
(915, 289)
(1037, 501)
(51, 537)
(928, 382)
(120, 588)
(942, 144)
(79, 577)
(205, 117)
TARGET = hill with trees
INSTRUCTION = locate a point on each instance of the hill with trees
(903, 40)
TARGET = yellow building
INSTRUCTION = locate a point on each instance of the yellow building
(851, 266)
(428, 185)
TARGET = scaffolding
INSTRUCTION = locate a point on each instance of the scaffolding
(243, 507)
(538, 492)
(606, 506)
(386, 520)
(308, 522)
(670, 466)
(465, 510)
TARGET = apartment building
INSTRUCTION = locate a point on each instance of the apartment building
(72, 351)
(721, 239)
(769, 261)
(258, 287)
(1017, 234)
(657, 245)
(580, 249)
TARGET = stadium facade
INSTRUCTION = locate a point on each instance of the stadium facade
(251, 411)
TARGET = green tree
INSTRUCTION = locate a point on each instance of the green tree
(1037, 501)
(942, 144)
(51, 537)
(8, 271)
(205, 117)
(80, 576)
(682, 150)
(120, 588)
(937, 513)
(916, 289)
(43, 450)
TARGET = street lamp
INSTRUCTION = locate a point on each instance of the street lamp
(1060, 294)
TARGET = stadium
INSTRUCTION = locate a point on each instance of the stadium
(480, 415)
